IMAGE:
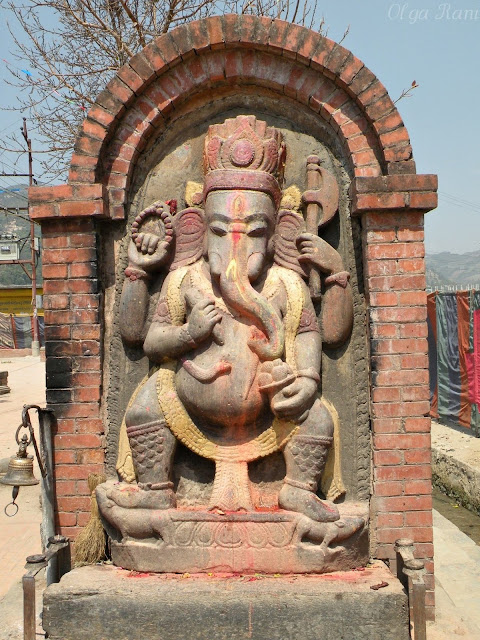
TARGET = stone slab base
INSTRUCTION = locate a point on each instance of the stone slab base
(107, 603)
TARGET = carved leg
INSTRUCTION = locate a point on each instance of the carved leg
(153, 447)
(305, 458)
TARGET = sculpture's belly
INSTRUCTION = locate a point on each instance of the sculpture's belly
(219, 382)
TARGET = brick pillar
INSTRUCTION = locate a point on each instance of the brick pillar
(73, 353)
(393, 241)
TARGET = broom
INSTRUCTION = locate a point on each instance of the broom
(90, 544)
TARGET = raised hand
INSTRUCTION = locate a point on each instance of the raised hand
(147, 242)
(152, 253)
(152, 234)
(318, 252)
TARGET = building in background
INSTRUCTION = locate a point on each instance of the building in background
(16, 328)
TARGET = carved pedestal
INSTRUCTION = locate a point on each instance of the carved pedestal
(271, 541)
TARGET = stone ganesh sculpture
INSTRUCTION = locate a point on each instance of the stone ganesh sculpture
(238, 346)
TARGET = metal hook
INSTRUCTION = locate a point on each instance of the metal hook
(24, 440)
(27, 424)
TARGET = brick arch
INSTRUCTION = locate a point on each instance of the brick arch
(281, 57)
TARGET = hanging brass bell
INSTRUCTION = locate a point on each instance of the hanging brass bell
(20, 468)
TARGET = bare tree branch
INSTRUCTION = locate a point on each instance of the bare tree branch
(65, 52)
(407, 93)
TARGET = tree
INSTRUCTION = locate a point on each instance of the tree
(67, 50)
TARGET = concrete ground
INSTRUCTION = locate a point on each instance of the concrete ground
(20, 535)
(457, 557)
(456, 463)
(457, 582)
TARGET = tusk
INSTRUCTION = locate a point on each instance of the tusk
(232, 267)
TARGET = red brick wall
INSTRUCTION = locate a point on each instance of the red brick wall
(395, 273)
(292, 63)
(73, 363)
(394, 262)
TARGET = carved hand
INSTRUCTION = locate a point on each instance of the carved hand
(203, 319)
(293, 400)
(319, 253)
(148, 252)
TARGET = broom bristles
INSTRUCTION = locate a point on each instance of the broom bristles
(90, 544)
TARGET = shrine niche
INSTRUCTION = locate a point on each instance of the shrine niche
(234, 319)
(235, 346)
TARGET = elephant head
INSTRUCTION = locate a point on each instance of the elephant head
(243, 164)
(240, 225)
(244, 160)
(234, 234)
(240, 230)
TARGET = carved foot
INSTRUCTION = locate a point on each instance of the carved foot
(344, 528)
(133, 497)
(304, 501)
(334, 532)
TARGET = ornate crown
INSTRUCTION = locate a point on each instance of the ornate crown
(243, 153)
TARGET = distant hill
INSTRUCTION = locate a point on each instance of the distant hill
(462, 270)
(434, 279)
(14, 196)
(16, 222)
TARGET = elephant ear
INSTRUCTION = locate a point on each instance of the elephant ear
(289, 225)
(190, 228)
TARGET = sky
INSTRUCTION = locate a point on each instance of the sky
(435, 43)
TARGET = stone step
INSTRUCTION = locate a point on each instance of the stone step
(115, 604)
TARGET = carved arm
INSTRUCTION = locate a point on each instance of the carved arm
(337, 309)
(148, 251)
(337, 300)
(134, 304)
(165, 340)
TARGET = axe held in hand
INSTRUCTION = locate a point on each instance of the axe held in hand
(321, 199)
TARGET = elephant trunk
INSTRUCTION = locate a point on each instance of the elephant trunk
(268, 342)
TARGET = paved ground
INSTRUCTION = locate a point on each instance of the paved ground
(20, 535)
(457, 580)
(457, 556)
(456, 463)
(26, 379)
